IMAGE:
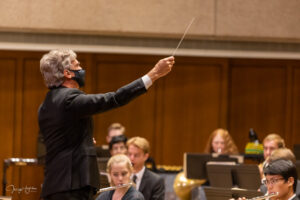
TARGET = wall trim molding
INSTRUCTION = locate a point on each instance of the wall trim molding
(149, 46)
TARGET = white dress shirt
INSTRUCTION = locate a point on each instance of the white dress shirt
(292, 197)
(139, 177)
(147, 81)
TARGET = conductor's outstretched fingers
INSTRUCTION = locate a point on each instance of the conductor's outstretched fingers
(162, 68)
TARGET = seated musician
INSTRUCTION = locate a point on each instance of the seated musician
(281, 153)
(271, 142)
(117, 145)
(120, 169)
(280, 177)
(115, 129)
(221, 142)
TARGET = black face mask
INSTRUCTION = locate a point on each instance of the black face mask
(79, 76)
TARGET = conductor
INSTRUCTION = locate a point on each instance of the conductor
(65, 121)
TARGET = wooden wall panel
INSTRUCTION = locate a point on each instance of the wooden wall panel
(34, 92)
(138, 116)
(8, 67)
(257, 99)
(296, 106)
(192, 96)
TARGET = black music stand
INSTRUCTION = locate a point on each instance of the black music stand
(102, 164)
(297, 151)
(220, 174)
(102, 151)
(214, 193)
(239, 175)
(246, 176)
(298, 167)
(195, 164)
(16, 162)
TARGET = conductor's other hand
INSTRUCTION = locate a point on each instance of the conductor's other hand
(162, 68)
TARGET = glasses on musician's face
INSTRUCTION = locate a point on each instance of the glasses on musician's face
(272, 181)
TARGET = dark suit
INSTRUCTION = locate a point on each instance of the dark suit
(152, 186)
(65, 120)
(295, 198)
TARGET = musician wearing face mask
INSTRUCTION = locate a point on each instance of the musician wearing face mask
(65, 121)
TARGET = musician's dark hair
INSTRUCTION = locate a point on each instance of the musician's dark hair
(117, 139)
(284, 168)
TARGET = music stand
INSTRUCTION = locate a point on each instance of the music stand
(298, 167)
(246, 176)
(16, 162)
(194, 164)
(104, 180)
(102, 164)
(297, 151)
(102, 151)
(214, 193)
(219, 174)
(237, 193)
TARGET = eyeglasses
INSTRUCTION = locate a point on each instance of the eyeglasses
(271, 181)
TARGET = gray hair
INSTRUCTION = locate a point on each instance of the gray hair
(53, 64)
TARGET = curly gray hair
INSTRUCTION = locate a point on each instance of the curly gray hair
(53, 64)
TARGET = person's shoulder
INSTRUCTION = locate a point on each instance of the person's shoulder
(153, 175)
(72, 90)
(70, 93)
(133, 194)
(66, 90)
(137, 196)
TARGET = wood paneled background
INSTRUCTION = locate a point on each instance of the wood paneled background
(176, 115)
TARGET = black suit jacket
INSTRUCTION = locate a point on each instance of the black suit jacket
(152, 186)
(296, 198)
(66, 125)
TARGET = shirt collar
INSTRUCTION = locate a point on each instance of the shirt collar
(292, 197)
(140, 174)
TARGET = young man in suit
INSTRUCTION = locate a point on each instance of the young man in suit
(65, 121)
(147, 182)
(281, 176)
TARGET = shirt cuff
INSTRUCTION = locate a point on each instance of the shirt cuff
(147, 81)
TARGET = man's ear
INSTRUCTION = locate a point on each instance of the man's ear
(291, 181)
(67, 73)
